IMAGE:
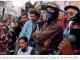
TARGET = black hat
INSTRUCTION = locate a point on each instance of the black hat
(69, 6)
(52, 5)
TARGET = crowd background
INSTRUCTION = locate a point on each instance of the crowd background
(42, 29)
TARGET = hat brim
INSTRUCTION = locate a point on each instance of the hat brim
(74, 7)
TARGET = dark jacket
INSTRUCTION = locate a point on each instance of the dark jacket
(52, 34)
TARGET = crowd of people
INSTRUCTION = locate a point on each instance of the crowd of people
(42, 29)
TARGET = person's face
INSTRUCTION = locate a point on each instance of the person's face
(22, 43)
(24, 18)
(33, 17)
(6, 23)
(76, 26)
(44, 18)
(50, 9)
(30, 9)
(70, 13)
(16, 24)
(61, 16)
(2, 32)
(42, 11)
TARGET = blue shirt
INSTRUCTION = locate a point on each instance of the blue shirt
(27, 30)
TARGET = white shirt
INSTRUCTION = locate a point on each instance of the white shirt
(29, 49)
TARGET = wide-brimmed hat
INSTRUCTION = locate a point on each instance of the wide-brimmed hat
(73, 7)
(52, 5)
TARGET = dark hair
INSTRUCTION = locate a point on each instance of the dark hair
(28, 5)
(25, 13)
(24, 38)
(35, 12)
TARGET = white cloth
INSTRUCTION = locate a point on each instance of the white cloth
(28, 52)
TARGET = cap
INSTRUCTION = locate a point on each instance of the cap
(69, 6)
(53, 5)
